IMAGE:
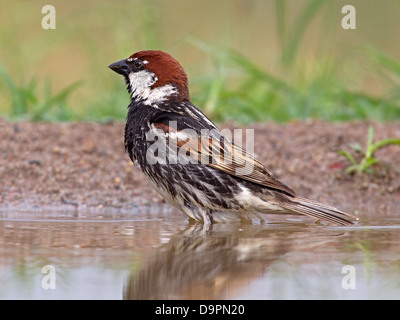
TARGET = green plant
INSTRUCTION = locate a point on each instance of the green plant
(249, 80)
(28, 103)
(239, 89)
(368, 158)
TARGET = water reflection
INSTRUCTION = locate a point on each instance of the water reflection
(218, 263)
(159, 255)
(91, 252)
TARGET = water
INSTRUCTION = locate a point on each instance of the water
(156, 253)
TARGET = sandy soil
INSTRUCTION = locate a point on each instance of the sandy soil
(83, 166)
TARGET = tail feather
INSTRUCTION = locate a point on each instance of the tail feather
(318, 210)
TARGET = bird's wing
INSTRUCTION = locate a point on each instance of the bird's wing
(217, 152)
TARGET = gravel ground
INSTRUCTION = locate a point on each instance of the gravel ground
(83, 166)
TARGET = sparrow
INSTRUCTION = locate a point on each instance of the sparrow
(189, 161)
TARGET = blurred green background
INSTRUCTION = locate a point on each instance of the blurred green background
(248, 60)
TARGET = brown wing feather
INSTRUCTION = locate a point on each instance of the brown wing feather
(225, 156)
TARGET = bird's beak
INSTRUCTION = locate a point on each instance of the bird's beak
(120, 67)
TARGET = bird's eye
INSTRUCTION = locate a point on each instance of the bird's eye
(138, 64)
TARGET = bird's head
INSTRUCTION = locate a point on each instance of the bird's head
(153, 76)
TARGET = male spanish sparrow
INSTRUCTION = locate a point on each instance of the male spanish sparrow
(189, 161)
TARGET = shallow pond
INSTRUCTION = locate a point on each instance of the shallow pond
(156, 253)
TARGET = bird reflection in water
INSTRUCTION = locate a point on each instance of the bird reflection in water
(218, 262)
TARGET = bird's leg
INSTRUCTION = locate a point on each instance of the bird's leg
(207, 217)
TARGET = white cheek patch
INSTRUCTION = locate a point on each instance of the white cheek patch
(141, 82)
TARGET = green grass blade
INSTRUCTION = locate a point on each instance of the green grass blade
(368, 151)
(370, 136)
(63, 95)
(15, 104)
(369, 162)
(212, 101)
(388, 63)
(353, 168)
(40, 110)
(383, 143)
(280, 9)
(348, 156)
(299, 28)
(251, 69)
